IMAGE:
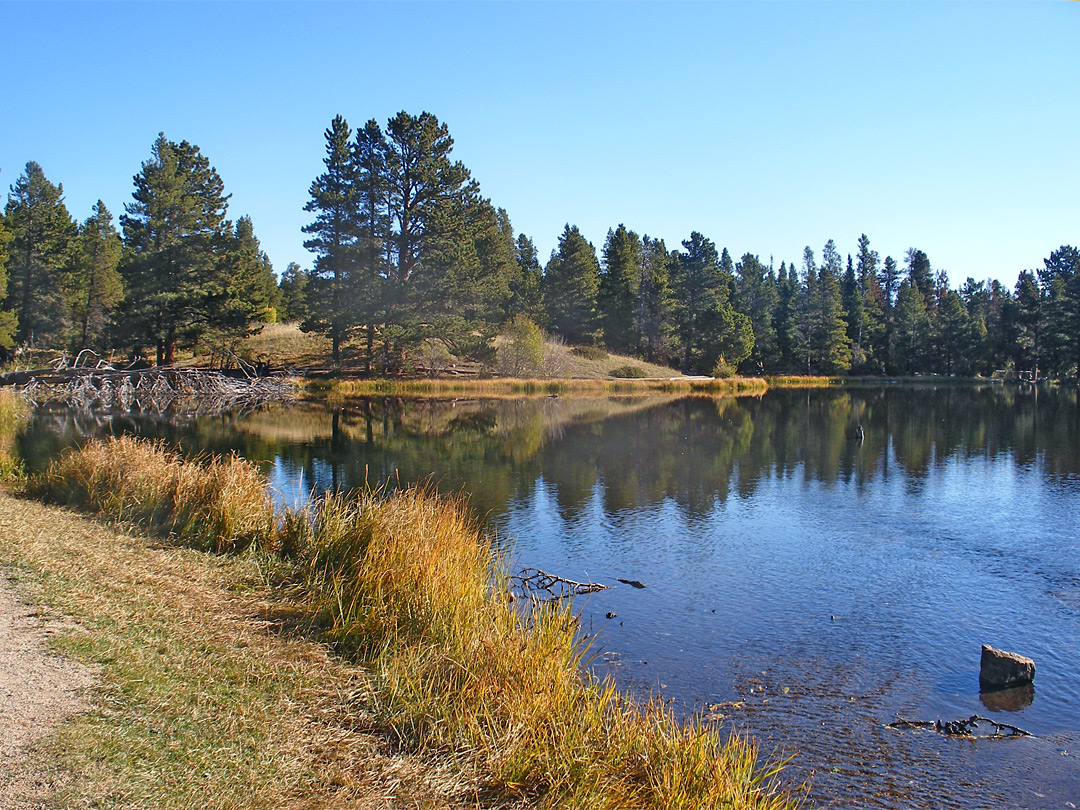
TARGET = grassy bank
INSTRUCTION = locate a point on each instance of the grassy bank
(517, 388)
(407, 586)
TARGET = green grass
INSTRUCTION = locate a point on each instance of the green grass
(408, 586)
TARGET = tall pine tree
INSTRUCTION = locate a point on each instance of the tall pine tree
(333, 297)
(43, 236)
(571, 282)
(621, 267)
(95, 285)
(172, 232)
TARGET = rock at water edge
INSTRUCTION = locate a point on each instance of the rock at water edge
(1000, 669)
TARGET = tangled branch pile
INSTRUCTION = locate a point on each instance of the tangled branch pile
(154, 390)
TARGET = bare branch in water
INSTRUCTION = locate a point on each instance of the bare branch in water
(537, 585)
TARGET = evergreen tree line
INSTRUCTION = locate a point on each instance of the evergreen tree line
(411, 259)
(180, 275)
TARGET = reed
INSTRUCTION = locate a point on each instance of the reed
(13, 412)
(408, 584)
(216, 503)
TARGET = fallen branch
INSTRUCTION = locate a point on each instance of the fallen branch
(531, 583)
(961, 728)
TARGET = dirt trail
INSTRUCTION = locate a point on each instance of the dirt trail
(37, 692)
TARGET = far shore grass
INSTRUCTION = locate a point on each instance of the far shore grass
(430, 666)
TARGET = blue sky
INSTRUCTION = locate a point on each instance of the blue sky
(951, 127)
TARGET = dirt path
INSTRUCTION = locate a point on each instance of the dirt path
(37, 692)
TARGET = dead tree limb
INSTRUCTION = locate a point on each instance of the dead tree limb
(961, 728)
(536, 585)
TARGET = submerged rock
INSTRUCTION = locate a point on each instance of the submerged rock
(1002, 670)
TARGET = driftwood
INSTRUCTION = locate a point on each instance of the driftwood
(540, 586)
(961, 728)
(158, 390)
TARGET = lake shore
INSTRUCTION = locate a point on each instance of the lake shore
(188, 641)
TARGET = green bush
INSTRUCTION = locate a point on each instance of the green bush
(723, 369)
(629, 372)
(589, 352)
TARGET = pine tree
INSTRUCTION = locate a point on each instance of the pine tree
(954, 336)
(833, 348)
(1028, 323)
(96, 287)
(333, 297)
(697, 287)
(854, 313)
(43, 235)
(8, 322)
(787, 288)
(712, 336)
(870, 333)
(890, 288)
(804, 320)
(757, 297)
(369, 277)
(1059, 280)
(172, 230)
(921, 275)
(293, 289)
(525, 295)
(653, 299)
(439, 275)
(912, 329)
(621, 266)
(571, 282)
(246, 297)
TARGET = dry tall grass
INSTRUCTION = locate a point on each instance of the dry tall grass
(13, 410)
(409, 584)
(218, 503)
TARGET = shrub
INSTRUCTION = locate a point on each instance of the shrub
(520, 353)
(589, 352)
(629, 372)
(723, 369)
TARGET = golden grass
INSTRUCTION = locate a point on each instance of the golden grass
(13, 411)
(412, 585)
(283, 344)
(408, 584)
(219, 503)
(797, 381)
(337, 388)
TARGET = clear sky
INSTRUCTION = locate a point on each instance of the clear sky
(951, 127)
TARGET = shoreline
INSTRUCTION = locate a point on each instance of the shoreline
(618, 747)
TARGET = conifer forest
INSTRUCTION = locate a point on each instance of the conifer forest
(407, 254)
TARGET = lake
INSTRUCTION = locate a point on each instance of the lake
(803, 585)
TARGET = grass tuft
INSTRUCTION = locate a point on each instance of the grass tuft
(218, 503)
(13, 412)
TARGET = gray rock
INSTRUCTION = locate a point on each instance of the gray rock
(1001, 670)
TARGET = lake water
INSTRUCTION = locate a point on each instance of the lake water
(802, 585)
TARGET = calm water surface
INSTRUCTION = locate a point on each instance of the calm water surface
(802, 586)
